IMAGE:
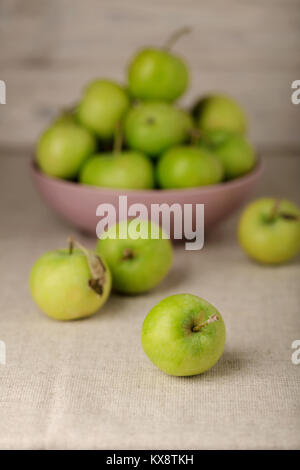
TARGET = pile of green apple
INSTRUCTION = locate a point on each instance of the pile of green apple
(135, 137)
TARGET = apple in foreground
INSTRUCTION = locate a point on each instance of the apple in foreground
(70, 284)
(63, 148)
(269, 230)
(187, 167)
(183, 335)
(137, 264)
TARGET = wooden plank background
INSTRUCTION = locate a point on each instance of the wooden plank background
(50, 48)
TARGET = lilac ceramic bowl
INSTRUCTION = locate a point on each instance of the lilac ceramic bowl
(77, 203)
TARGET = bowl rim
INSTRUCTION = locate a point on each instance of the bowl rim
(224, 185)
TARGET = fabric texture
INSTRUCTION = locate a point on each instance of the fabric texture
(88, 384)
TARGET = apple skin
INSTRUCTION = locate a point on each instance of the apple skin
(102, 107)
(267, 239)
(235, 153)
(125, 170)
(154, 127)
(220, 112)
(187, 167)
(150, 263)
(155, 74)
(63, 148)
(59, 285)
(171, 344)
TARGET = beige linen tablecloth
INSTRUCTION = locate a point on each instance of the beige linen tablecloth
(88, 384)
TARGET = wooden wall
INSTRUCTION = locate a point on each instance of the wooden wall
(50, 48)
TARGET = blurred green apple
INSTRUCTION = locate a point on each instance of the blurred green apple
(234, 151)
(220, 112)
(63, 147)
(187, 167)
(157, 73)
(70, 284)
(137, 264)
(183, 335)
(269, 230)
(154, 127)
(123, 170)
(102, 107)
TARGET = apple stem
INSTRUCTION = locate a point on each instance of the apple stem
(127, 254)
(71, 244)
(175, 36)
(284, 215)
(211, 319)
(118, 139)
(68, 110)
(275, 209)
(97, 268)
(195, 135)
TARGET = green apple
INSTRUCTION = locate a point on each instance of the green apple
(63, 147)
(187, 167)
(70, 284)
(234, 151)
(157, 73)
(188, 121)
(220, 112)
(183, 335)
(269, 230)
(123, 170)
(137, 264)
(154, 127)
(102, 107)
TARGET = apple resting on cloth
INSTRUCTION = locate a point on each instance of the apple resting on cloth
(137, 265)
(183, 335)
(269, 230)
(70, 284)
